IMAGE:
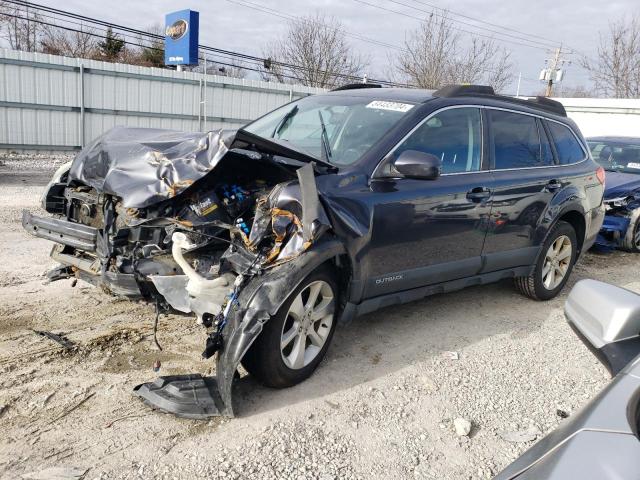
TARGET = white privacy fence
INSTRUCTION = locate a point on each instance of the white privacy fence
(58, 103)
(604, 116)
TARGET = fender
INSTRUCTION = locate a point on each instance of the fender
(259, 300)
(567, 200)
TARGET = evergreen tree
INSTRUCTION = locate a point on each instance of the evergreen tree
(112, 45)
(153, 55)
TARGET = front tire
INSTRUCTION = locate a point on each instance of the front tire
(631, 240)
(294, 342)
(554, 265)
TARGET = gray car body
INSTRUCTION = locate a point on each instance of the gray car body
(601, 440)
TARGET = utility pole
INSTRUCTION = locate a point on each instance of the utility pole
(553, 72)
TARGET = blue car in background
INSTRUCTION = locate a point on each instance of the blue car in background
(620, 157)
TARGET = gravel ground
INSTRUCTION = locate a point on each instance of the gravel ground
(384, 404)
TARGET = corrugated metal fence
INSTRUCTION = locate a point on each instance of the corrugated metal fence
(59, 103)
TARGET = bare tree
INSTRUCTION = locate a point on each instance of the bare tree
(426, 61)
(58, 41)
(316, 52)
(19, 27)
(151, 55)
(434, 56)
(615, 71)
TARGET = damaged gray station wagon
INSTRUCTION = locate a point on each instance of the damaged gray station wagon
(329, 207)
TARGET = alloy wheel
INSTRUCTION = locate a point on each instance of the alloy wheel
(307, 325)
(557, 262)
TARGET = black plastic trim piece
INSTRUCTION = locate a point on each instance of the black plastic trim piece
(187, 396)
(518, 257)
(449, 91)
(540, 103)
(352, 310)
(614, 356)
(356, 86)
(421, 276)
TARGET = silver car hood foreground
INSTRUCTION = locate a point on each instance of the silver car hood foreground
(599, 442)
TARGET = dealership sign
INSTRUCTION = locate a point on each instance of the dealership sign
(181, 38)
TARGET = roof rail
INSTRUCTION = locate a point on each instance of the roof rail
(356, 86)
(459, 90)
(541, 103)
(548, 104)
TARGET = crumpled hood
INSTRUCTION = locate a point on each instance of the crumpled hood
(620, 184)
(143, 166)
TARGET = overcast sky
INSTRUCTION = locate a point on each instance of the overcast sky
(227, 25)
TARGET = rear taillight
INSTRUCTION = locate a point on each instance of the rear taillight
(601, 175)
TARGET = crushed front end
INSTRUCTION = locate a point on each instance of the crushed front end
(620, 223)
(207, 224)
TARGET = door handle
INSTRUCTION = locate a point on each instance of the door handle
(553, 186)
(478, 194)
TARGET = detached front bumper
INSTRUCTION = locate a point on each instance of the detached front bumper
(82, 237)
(76, 249)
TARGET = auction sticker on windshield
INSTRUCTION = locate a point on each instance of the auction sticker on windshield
(393, 106)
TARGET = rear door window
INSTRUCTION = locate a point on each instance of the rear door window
(567, 146)
(516, 141)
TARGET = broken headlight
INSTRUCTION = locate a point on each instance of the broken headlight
(610, 204)
(57, 178)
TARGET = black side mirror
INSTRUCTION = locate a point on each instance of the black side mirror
(419, 165)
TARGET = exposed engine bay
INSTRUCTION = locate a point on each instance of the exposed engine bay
(184, 221)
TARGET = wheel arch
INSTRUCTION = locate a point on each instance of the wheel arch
(577, 221)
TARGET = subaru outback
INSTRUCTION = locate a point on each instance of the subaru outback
(329, 207)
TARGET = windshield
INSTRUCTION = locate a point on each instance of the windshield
(336, 129)
(616, 156)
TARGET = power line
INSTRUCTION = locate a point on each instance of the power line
(118, 27)
(226, 57)
(271, 11)
(456, 28)
(287, 16)
(421, 2)
(546, 44)
(92, 34)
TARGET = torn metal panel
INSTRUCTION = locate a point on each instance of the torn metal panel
(187, 396)
(310, 201)
(143, 166)
(293, 214)
(258, 301)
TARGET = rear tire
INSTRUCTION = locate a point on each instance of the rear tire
(294, 342)
(631, 240)
(554, 265)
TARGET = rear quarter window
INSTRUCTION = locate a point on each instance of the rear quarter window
(567, 146)
(517, 142)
